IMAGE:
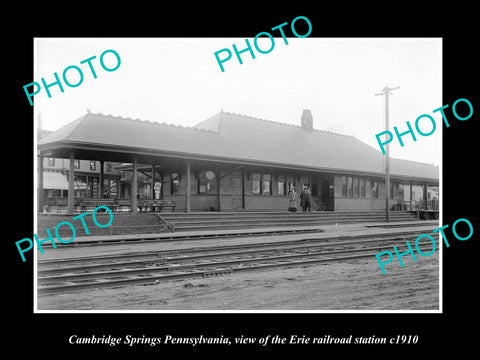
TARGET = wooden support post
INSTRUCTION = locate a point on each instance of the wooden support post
(133, 199)
(425, 196)
(162, 181)
(411, 194)
(187, 192)
(219, 199)
(153, 182)
(71, 177)
(40, 185)
(101, 187)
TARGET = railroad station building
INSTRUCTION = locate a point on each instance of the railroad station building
(87, 178)
(229, 162)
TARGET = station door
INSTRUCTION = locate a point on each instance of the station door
(237, 190)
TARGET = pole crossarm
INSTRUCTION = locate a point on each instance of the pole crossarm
(387, 91)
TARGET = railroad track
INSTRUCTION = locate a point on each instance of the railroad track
(196, 235)
(152, 267)
(166, 237)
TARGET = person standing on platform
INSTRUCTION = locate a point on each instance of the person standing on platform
(309, 199)
(292, 195)
(305, 199)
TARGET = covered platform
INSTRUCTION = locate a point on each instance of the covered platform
(232, 162)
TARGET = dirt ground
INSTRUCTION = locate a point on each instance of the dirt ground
(352, 285)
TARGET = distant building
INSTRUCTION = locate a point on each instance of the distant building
(86, 181)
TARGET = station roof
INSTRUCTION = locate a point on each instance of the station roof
(227, 137)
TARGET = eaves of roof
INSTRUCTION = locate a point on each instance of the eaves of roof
(233, 138)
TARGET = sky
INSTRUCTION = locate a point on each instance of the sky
(178, 81)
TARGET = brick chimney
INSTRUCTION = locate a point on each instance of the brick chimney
(307, 120)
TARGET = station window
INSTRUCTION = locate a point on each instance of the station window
(374, 185)
(267, 184)
(207, 182)
(92, 165)
(281, 184)
(76, 164)
(349, 186)
(80, 186)
(146, 191)
(256, 178)
(80, 183)
(353, 186)
(356, 190)
(92, 187)
(362, 187)
(51, 161)
(175, 183)
(262, 184)
(54, 193)
(113, 188)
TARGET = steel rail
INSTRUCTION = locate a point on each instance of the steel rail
(224, 247)
(147, 276)
(195, 274)
(125, 240)
(212, 252)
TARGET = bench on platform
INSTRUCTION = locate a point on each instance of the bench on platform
(85, 204)
(158, 204)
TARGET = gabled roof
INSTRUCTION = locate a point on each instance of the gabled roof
(126, 132)
(240, 138)
(254, 138)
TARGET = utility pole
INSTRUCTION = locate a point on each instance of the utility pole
(387, 91)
